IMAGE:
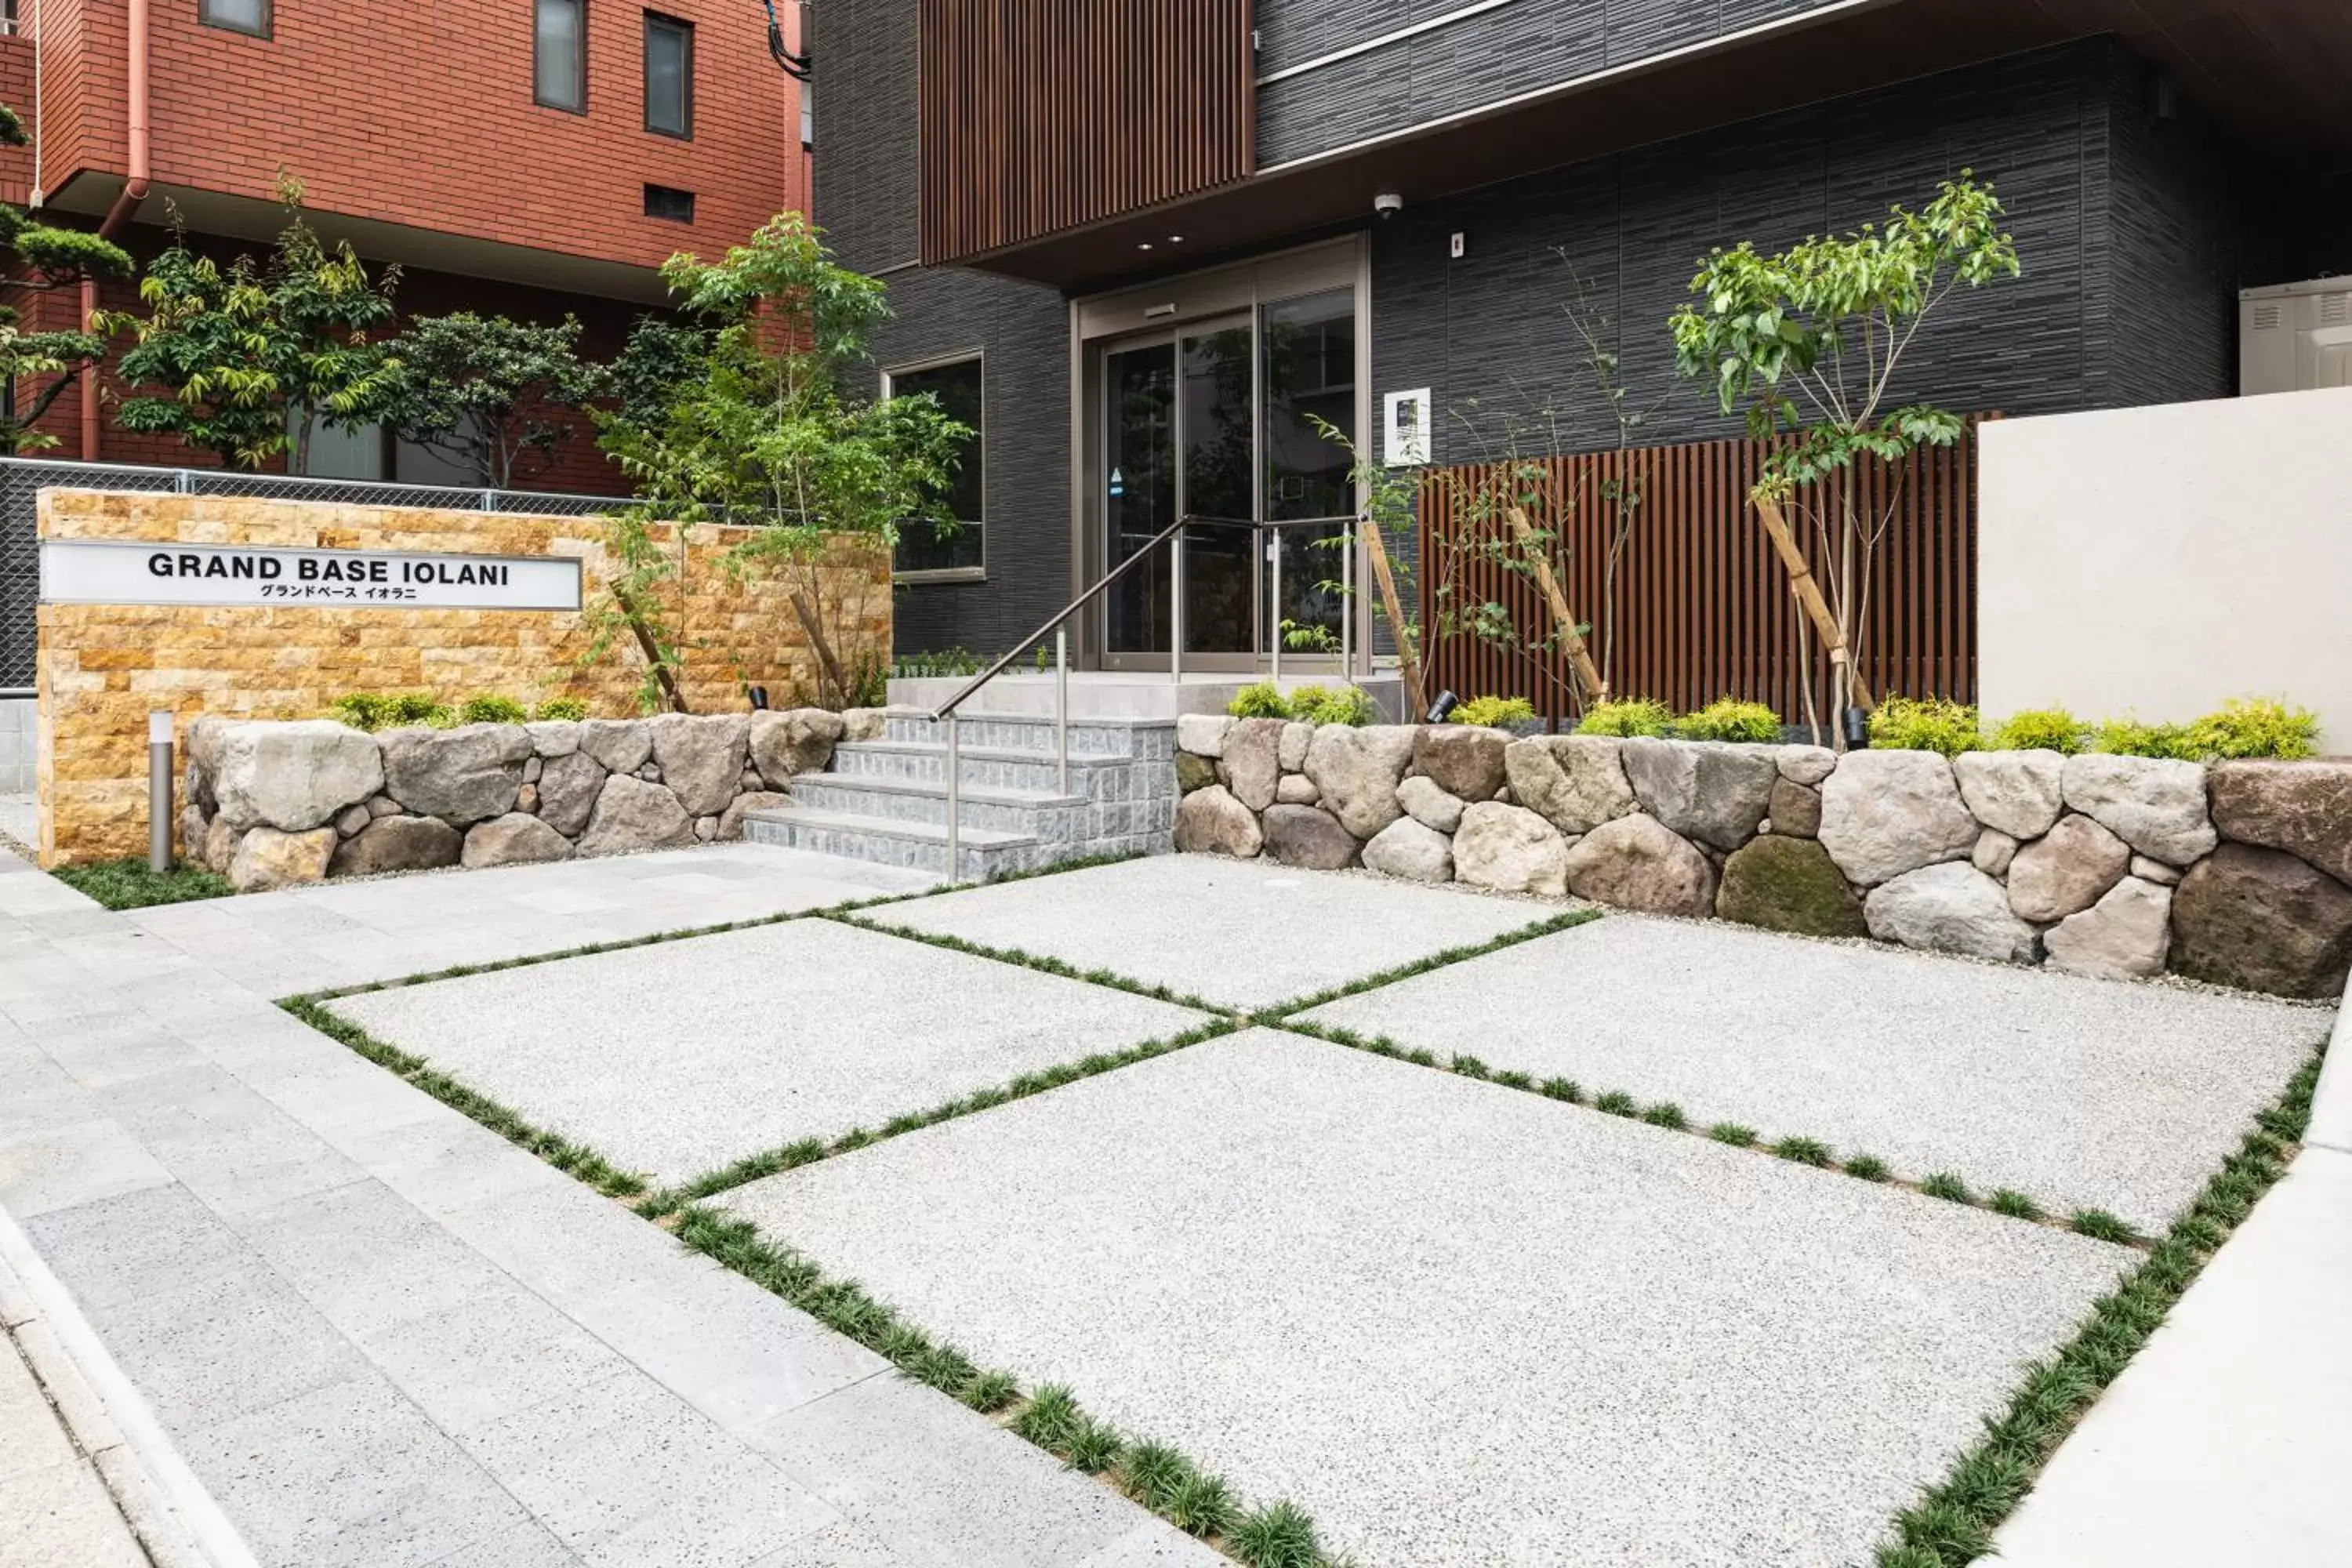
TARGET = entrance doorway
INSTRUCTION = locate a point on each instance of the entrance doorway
(1232, 420)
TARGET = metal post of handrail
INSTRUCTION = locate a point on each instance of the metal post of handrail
(1062, 708)
(955, 802)
(1274, 547)
(1176, 604)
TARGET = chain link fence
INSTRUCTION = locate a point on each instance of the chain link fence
(23, 479)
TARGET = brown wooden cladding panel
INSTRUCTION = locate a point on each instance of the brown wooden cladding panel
(1043, 115)
(1703, 607)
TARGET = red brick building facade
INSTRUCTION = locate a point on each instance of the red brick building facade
(425, 136)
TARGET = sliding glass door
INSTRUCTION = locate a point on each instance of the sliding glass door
(1218, 421)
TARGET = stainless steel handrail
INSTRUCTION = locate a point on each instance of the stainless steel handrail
(1173, 535)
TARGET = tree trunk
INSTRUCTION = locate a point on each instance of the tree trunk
(826, 662)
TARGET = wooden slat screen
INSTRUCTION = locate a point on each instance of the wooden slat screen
(1703, 607)
(1041, 115)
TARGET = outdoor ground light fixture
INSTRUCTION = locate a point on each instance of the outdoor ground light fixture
(1446, 704)
(159, 791)
(759, 695)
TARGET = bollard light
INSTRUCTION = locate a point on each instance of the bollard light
(159, 791)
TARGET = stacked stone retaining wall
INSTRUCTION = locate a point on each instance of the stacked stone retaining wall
(272, 804)
(2238, 873)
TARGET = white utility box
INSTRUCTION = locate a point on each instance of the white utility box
(2295, 337)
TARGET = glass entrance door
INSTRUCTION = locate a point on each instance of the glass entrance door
(1216, 421)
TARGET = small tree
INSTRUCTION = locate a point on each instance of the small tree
(246, 353)
(1828, 322)
(488, 393)
(767, 434)
(46, 258)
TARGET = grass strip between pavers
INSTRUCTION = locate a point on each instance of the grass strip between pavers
(1276, 1534)
(2097, 1223)
(1953, 1523)
(809, 1151)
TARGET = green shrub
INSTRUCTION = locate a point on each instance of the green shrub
(2130, 738)
(2254, 727)
(1925, 724)
(1726, 718)
(1334, 705)
(1495, 710)
(565, 708)
(1262, 701)
(380, 710)
(1630, 715)
(488, 708)
(2041, 729)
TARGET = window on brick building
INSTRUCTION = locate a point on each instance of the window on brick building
(926, 549)
(559, 57)
(237, 15)
(663, 202)
(669, 75)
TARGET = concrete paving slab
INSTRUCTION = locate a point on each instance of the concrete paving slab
(350, 1473)
(78, 1164)
(2080, 1093)
(2227, 1438)
(1243, 934)
(2331, 1107)
(1457, 1322)
(60, 1513)
(678, 1057)
(976, 1496)
(358, 933)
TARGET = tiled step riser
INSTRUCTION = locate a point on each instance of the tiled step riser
(1081, 823)
(1012, 732)
(827, 793)
(978, 863)
(1097, 778)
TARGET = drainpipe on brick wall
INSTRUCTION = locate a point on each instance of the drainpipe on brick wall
(126, 203)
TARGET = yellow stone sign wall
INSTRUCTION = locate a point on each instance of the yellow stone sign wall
(102, 667)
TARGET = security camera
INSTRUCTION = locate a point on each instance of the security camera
(1388, 203)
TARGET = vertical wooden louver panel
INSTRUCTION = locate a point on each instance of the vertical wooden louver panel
(1703, 607)
(1043, 115)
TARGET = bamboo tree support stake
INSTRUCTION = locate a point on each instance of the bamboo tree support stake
(664, 677)
(1809, 594)
(1406, 656)
(1579, 657)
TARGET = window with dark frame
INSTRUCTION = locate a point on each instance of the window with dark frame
(669, 75)
(925, 547)
(235, 16)
(668, 203)
(559, 55)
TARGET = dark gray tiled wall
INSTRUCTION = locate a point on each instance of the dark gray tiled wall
(867, 200)
(2135, 235)
(1488, 336)
(1515, 47)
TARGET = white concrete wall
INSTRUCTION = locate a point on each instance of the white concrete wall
(17, 723)
(2154, 561)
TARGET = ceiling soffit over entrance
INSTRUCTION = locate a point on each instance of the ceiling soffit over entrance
(2275, 72)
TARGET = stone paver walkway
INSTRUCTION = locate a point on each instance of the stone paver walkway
(55, 1507)
(381, 1335)
(355, 934)
(1246, 934)
(737, 1044)
(2079, 1093)
(1459, 1323)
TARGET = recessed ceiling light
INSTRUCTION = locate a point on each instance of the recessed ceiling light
(1175, 239)
(1143, 245)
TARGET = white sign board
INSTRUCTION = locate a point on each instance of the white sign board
(1405, 428)
(119, 572)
